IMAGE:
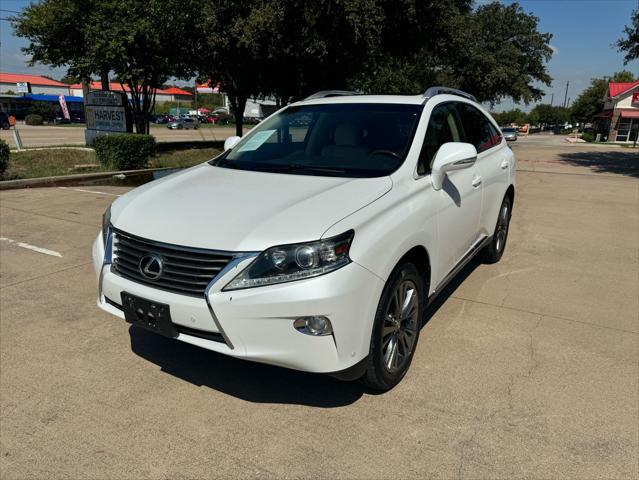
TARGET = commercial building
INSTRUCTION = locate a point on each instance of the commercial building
(36, 84)
(171, 94)
(619, 120)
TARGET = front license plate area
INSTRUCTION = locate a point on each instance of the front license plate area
(149, 315)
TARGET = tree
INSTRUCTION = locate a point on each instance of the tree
(142, 42)
(285, 49)
(548, 115)
(591, 100)
(226, 54)
(630, 42)
(499, 53)
(515, 116)
(69, 80)
(149, 41)
(57, 38)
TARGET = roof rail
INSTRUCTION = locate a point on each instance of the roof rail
(330, 93)
(432, 91)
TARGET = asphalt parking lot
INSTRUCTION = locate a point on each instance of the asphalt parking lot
(527, 368)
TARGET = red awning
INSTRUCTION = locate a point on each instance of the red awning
(606, 114)
(630, 114)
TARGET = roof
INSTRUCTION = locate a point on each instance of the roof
(116, 87)
(174, 91)
(618, 88)
(52, 98)
(32, 79)
(630, 114)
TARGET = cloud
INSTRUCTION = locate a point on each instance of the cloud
(555, 50)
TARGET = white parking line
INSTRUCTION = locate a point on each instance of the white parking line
(89, 191)
(46, 251)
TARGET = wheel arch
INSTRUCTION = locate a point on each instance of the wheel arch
(510, 193)
(418, 256)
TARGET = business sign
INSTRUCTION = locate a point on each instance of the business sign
(23, 87)
(635, 98)
(106, 98)
(106, 112)
(63, 107)
(109, 119)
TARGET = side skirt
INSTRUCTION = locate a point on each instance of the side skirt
(458, 268)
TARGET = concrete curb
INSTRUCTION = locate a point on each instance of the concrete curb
(65, 179)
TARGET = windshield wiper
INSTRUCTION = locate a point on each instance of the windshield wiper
(292, 167)
(226, 163)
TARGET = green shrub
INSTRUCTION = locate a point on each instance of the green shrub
(33, 119)
(45, 109)
(124, 151)
(587, 136)
(4, 156)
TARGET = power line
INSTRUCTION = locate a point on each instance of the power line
(9, 11)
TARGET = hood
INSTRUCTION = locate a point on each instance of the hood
(239, 210)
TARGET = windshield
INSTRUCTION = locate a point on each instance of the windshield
(508, 130)
(351, 140)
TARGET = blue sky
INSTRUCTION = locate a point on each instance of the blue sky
(583, 31)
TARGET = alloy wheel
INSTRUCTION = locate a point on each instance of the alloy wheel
(502, 227)
(401, 321)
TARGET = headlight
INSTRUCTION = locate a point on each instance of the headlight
(286, 263)
(106, 224)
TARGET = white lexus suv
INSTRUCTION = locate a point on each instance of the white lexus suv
(316, 241)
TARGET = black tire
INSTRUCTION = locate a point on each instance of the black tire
(495, 249)
(383, 372)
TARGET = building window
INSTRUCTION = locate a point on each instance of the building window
(623, 130)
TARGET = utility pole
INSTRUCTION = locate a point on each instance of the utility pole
(566, 95)
(552, 99)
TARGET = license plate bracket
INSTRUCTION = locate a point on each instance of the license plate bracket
(152, 316)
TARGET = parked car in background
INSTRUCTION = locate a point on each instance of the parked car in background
(182, 123)
(4, 121)
(317, 241)
(76, 117)
(510, 133)
(160, 119)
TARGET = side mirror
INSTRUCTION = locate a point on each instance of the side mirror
(451, 156)
(231, 142)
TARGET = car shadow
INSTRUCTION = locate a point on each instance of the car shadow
(437, 302)
(622, 161)
(250, 381)
(256, 382)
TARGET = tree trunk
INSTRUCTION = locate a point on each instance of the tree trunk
(85, 94)
(238, 103)
(104, 79)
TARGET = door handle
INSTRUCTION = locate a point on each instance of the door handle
(504, 164)
(476, 181)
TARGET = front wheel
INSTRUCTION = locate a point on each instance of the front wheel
(495, 249)
(396, 328)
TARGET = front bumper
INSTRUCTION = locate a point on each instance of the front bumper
(258, 322)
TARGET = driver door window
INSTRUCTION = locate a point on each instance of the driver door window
(442, 128)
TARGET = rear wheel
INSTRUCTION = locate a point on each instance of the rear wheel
(495, 249)
(396, 328)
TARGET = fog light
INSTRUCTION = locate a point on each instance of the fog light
(315, 325)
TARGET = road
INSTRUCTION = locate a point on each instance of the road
(524, 369)
(44, 136)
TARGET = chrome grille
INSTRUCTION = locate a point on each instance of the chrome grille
(186, 270)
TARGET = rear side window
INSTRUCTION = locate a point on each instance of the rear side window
(442, 128)
(477, 128)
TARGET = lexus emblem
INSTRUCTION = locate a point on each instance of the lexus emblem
(151, 266)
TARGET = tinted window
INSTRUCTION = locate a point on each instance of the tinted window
(354, 140)
(476, 127)
(442, 128)
(496, 134)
